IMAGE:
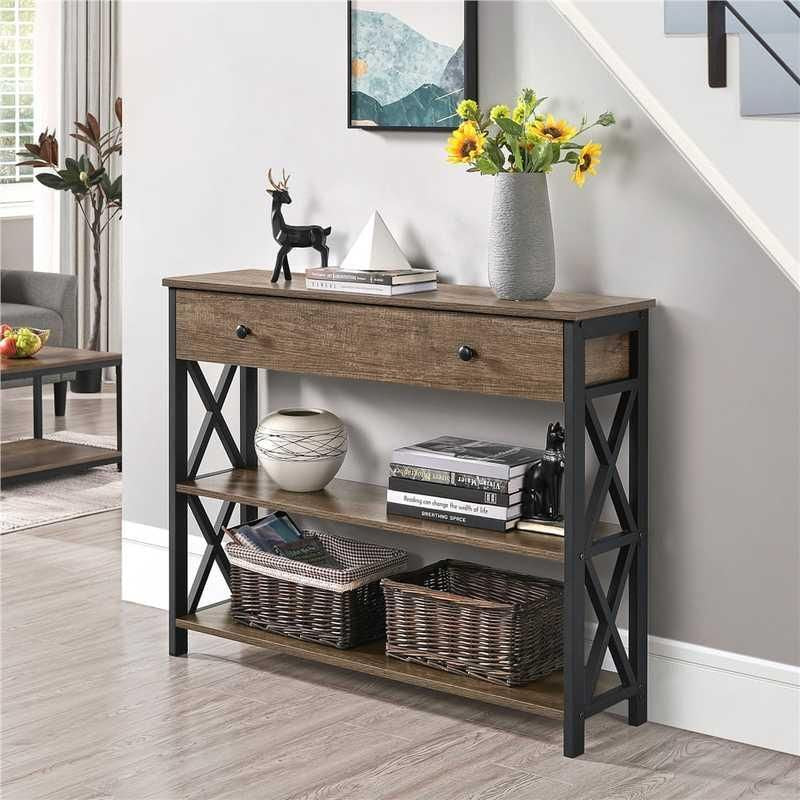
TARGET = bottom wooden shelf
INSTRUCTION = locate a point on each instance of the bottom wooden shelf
(544, 697)
(43, 457)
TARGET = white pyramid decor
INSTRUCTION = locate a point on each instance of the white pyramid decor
(375, 248)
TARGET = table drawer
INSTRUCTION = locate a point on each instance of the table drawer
(513, 357)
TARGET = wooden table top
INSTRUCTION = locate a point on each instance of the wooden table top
(56, 359)
(569, 306)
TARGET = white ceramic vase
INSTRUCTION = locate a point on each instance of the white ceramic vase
(301, 448)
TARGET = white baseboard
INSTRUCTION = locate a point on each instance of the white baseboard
(145, 566)
(696, 688)
(719, 693)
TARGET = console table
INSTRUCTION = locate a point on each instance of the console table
(570, 348)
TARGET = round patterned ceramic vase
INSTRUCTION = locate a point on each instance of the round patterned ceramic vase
(301, 449)
(522, 263)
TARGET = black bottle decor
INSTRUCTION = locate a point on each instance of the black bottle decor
(291, 236)
(541, 496)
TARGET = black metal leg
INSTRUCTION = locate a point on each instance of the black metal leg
(248, 419)
(178, 452)
(60, 398)
(118, 376)
(37, 407)
(574, 541)
(581, 677)
(637, 478)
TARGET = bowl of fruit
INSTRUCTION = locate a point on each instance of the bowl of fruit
(21, 342)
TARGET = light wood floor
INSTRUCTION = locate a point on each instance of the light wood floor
(93, 707)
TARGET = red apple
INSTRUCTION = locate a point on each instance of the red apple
(3, 329)
(8, 348)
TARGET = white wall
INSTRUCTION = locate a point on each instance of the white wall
(215, 93)
(16, 243)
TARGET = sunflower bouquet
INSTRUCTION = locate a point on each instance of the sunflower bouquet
(523, 140)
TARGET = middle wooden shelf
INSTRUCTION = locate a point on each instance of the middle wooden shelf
(364, 504)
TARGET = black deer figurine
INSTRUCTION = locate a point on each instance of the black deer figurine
(542, 490)
(291, 236)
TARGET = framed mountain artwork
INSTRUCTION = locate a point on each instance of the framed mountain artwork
(410, 63)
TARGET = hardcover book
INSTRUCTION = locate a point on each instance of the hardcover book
(370, 288)
(467, 520)
(384, 277)
(453, 506)
(474, 456)
(539, 526)
(456, 492)
(448, 478)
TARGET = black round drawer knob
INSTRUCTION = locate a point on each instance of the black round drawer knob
(466, 353)
(242, 331)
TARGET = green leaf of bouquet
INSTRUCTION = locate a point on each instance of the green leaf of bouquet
(510, 127)
(538, 154)
(486, 166)
(573, 158)
(495, 154)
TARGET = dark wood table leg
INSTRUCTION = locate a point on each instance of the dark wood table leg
(37, 407)
(60, 398)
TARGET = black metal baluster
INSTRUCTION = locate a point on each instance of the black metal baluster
(717, 45)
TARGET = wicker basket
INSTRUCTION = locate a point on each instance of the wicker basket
(339, 608)
(477, 621)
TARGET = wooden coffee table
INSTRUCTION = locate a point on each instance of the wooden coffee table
(45, 457)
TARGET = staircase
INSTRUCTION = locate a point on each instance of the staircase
(769, 48)
(742, 140)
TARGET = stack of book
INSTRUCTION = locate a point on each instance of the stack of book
(459, 481)
(379, 281)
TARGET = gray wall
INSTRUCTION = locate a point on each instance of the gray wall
(16, 243)
(262, 84)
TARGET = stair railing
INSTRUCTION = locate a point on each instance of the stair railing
(717, 42)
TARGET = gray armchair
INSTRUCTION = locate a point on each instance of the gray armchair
(42, 300)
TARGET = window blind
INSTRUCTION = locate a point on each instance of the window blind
(16, 87)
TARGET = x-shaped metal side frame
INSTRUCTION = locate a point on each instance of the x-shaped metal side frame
(212, 421)
(608, 482)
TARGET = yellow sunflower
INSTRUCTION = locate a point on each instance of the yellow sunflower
(588, 159)
(466, 143)
(554, 130)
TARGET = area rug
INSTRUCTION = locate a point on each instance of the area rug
(28, 504)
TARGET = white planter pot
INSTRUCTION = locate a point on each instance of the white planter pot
(301, 448)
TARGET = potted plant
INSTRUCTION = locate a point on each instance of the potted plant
(97, 195)
(519, 148)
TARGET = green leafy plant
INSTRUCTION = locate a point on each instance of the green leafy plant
(96, 193)
(522, 139)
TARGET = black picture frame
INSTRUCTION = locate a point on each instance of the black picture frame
(470, 70)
